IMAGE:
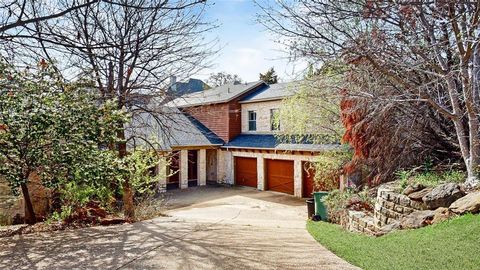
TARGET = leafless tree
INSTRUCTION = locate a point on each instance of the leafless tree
(129, 48)
(221, 78)
(428, 51)
(15, 14)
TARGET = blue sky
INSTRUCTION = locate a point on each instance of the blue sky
(247, 49)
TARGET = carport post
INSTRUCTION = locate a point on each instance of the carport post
(297, 178)
(162, 173)
(183, 169)
(260, 173)
(202, 167)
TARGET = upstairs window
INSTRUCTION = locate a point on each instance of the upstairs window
(274, 120)
(252, 120)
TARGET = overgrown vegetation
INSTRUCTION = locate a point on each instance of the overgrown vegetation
(57, 130)
(430, 178)
(338, 201)
(410, 84)
(453, 244)
(328, 167)
(312, 114)
(60, 132)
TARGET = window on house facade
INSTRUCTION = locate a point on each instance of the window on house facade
(252, 120)
(274, 120)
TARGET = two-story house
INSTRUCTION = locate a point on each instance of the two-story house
(227, 135)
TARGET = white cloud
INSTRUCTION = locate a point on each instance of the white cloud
(261, 54)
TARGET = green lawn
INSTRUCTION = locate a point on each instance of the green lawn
(453, 244)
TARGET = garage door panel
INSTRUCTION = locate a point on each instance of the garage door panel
(280, 176)
(246, 171)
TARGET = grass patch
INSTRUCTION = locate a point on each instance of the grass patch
(454, 244)
(430, 178)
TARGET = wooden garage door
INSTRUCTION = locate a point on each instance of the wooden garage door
(279, 175)
(246, 171)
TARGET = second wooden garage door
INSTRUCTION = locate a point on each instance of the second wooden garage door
(279, 174)
(246, 171)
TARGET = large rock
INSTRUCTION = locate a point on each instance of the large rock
(443, 195)
(413, 188)
(467, 204)
(418, 195)
(417, 219)
(388, 228)
(441, 214)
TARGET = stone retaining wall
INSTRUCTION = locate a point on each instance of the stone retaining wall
(10, 206)
(356, 221)
(390, 207)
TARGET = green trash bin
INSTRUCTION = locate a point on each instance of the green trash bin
(320, 208)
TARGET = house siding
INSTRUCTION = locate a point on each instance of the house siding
(215, 117)
(234, 120)
(263, 115)
(224, 119)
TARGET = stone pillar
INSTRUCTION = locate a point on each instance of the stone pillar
(220, 167)
(202, 167)
(297, 178)
(229, 178)
(260, 173)
(183, 169)
(162, 173)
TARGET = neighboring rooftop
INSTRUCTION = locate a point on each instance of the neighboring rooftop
(191, 86)
(221, 94)
(273, 92)
(267, 141)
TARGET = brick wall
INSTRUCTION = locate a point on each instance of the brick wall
(215, 117)
(234, 120)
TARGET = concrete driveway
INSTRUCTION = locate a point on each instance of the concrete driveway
(207, 228)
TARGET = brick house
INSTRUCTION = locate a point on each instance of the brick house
(227, 135)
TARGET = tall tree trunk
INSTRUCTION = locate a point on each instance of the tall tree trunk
(30, 217)
(128, 206)
(472, 108)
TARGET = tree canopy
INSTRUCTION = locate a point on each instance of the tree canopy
(406, 55)
(221, 78)
(56, 129)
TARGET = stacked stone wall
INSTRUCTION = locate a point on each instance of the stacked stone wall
(390, 207)
(356, 221)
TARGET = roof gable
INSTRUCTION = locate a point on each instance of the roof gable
(221, 94)
(170, 128)
(274, 92)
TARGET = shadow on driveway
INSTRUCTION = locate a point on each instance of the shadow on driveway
(183, 241)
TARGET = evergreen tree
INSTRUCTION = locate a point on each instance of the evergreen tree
(269, 77)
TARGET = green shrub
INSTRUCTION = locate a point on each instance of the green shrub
(329, 166)
(337, 202)
(138, 168)
(65, 212)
